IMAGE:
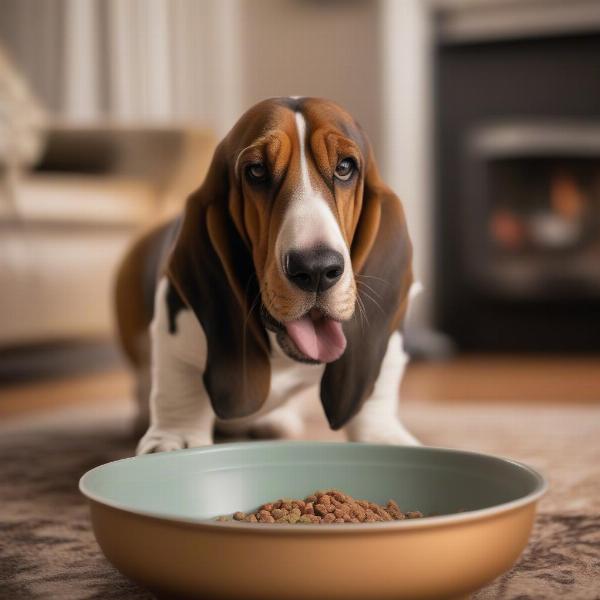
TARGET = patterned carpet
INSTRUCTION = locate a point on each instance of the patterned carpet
(47, 549)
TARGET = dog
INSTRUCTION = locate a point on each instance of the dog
(288, 275)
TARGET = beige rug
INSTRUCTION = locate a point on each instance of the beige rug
(47, 549)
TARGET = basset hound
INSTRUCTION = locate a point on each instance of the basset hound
(288, 274)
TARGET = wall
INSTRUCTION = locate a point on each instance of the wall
(308, 48)
(207, 61)
(133, 61)
(31, 32)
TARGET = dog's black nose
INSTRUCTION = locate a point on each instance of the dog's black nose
(314, 270)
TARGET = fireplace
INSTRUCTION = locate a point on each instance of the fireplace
(517, 202)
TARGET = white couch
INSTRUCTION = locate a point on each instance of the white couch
(65, 223)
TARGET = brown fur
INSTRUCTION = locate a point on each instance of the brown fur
(134, 282)
(387, 272)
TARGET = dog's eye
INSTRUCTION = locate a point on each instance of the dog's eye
(345, 169)
(256, 172)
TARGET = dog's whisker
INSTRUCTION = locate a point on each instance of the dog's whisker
(374, 291)
(360, 275)
(362, 313)
(374, 301)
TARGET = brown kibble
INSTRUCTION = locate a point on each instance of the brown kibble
(324, 506)
(265, 517)
(360, 513)
(394, 510)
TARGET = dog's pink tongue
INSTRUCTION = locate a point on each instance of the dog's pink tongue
(321, 339)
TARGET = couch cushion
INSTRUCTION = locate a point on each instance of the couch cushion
(81, 199)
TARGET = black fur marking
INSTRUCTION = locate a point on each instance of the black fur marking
(294, 104)
(174, 305)
(155, 262)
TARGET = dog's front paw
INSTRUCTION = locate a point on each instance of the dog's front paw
(165, 440)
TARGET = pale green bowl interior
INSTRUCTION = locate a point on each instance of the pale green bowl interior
(203, 483)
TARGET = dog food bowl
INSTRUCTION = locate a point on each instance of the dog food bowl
(154, 518)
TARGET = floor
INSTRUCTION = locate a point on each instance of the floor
(469, 378)
(509, 378)
(541, 411)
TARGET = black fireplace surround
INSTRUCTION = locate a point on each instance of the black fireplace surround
(517, 193)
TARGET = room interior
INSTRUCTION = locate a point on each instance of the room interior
(483, 115)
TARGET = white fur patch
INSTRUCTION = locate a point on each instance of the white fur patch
(309, 220)
(301, 126)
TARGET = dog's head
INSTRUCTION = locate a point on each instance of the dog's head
(293, 231)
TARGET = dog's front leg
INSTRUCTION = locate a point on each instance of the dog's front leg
(378, 420)
(181, 415)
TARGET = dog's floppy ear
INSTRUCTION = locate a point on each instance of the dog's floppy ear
(211, 268)
(381, 258)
